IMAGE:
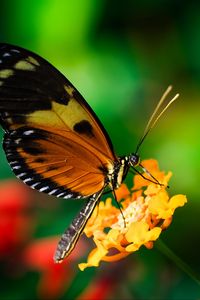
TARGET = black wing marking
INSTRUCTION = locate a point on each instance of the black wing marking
(22, 170)
(29, 83)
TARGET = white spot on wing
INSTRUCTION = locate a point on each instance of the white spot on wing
(7, 142)
(6, 54)
(68, 196)
(13, 162)
(15, 50)
(27, 180)
(8, 152)
(28, 132)
(43, 189)
(13, 132)
(17, 141)
(61, 194)
(16, 167)
(53, 192)
(21, 175)
(35, 184)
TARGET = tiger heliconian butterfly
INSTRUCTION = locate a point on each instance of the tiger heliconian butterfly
(53, 140)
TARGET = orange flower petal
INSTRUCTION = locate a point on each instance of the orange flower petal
(177, 201)
(122, 192)
(140, 234)
(94, 257)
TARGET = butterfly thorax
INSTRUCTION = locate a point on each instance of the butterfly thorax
(121, 168)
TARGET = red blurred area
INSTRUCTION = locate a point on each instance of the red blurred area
(20, 252)
(16, 219)
(55, 278)
(101, 289)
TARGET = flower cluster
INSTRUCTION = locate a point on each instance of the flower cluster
(147, 209)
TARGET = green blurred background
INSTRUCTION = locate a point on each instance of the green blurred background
(121, 56)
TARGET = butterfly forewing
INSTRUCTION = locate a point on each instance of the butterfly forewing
(54, 142)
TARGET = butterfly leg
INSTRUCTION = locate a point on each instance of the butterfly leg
(70, 237)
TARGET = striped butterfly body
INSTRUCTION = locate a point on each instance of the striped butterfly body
(53, 140)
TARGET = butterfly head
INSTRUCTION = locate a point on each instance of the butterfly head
(133, 160)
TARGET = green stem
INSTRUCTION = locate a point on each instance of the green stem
(161, 246)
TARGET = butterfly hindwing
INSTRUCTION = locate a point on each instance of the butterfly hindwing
(49, 163)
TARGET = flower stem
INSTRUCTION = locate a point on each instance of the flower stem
(161, 246)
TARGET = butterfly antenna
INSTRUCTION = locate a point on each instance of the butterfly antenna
(156, 115)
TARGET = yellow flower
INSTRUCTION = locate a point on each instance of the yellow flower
(147, 210)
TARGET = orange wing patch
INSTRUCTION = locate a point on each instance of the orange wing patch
(71, 117)
(56, 162)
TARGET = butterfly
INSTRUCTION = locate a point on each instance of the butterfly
(53, 140)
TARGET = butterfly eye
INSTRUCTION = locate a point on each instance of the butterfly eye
(134, 160)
